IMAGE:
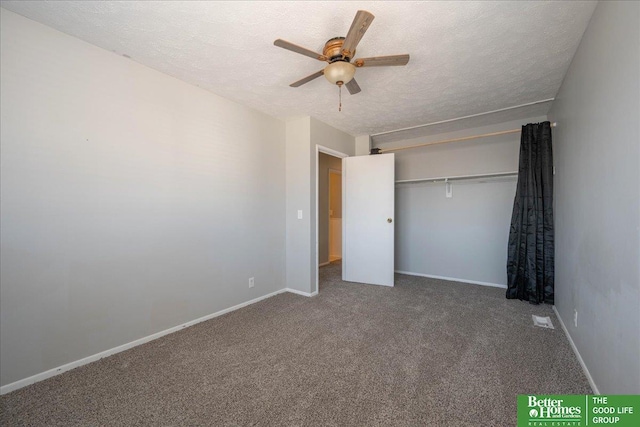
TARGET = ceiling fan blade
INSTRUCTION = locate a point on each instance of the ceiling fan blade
(358, 27)
(380, 61)
(299, 49)
(307, 79)
(353, 87)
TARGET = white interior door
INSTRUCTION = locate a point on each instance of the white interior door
(367, 220)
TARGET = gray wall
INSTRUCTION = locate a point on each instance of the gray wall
(302, 136)
(298, 259)
(597, 197)
(325, 163)
(463, 237)
(362, 145)
(131, 202)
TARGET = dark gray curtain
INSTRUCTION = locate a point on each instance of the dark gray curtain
(531, 241)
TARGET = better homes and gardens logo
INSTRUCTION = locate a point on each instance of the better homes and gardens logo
(542, 409)
(578, 410)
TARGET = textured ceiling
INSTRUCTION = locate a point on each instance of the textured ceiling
(466, 57)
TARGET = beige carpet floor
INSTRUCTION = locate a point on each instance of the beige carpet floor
(423, 353)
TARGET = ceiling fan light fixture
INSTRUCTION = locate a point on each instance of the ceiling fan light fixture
(339, 72)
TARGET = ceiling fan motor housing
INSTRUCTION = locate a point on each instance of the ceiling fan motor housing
(333, 50)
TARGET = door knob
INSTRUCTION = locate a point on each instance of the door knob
(389, 220)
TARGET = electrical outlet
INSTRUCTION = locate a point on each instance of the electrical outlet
(251, 282)
(575, 318)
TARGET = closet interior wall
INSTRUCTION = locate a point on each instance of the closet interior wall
(463, 237)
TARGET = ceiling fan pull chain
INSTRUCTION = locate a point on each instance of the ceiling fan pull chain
(340, 97)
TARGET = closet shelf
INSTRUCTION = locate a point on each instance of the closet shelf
(458, 177)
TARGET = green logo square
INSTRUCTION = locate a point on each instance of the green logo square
(578, 410)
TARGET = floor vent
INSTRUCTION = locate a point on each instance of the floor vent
(543, 322)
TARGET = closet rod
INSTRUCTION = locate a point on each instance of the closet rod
(464, 138)
(458, 177)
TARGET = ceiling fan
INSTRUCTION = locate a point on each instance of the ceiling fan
(339, 51)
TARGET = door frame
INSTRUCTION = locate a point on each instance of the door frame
(333, 153)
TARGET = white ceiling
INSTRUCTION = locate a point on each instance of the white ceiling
(466, 57)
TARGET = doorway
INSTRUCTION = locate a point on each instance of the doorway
(328, 207)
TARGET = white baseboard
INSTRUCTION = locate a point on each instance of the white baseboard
(592, 383)
(304, 294)
(64, 368)
(324, 263)
(453, 279)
